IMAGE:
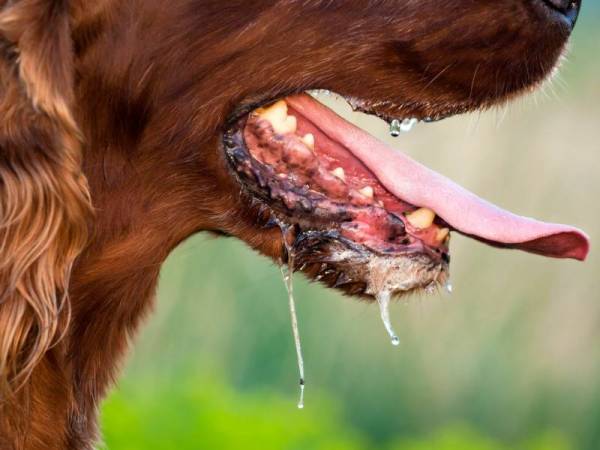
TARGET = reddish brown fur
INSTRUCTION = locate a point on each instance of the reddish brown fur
(150, 84)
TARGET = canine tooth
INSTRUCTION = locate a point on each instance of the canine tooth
(339, 172)
(277, 115)
(277, 111)
(309, 140)
(367, 191)
(421, 218)
(289, 126)
(442, 234)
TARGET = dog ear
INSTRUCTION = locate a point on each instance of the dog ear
(44, 200)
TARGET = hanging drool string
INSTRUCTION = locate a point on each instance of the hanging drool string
(383, 298)
(287, 271)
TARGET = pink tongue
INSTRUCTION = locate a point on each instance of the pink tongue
(421, 186)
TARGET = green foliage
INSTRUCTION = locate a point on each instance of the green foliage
(205, 413)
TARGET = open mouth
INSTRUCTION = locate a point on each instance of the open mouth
(360, 215)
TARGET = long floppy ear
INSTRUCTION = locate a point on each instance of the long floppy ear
(44, 201)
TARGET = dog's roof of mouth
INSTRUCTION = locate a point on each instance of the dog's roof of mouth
(461, 209)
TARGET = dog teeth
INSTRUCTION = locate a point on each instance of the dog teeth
(290, 125)
(309, 140)
(367, 191)
(277, 112)
(442, 234)
(277, 115)
(339, 172)
(422, 218)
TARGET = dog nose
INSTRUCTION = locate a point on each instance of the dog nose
(568, 8)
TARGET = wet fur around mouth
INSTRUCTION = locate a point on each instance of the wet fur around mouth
(113, 116)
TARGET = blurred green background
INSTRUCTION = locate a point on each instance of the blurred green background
(510, 361)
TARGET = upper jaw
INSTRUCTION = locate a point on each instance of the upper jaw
(389, 110)
(386, 109)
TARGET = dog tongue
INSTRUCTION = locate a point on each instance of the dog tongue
(464, 211)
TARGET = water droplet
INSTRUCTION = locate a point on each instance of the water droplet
(395, 128)
(301, 401)
(320, 92)
(430, 288)
(448, 287)
(383, 298)
(408, 124)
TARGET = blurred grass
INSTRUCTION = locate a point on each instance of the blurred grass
(511, 361)
(201, 412)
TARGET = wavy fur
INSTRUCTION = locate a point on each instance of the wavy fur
(44, 201)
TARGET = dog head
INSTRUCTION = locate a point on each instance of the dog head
(353, 215)
(184, 109)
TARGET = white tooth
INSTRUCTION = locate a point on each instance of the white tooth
(367, 191)
(309, 140)
(289, 125)
(277, 111)
(442, 234)
(421, 218)
(277, 115)
(339, 172)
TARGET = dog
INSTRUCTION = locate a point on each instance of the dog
(129, 125)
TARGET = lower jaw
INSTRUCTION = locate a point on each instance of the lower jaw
(318, 233)
(358, 270)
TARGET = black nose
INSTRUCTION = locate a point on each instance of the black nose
(568, 8)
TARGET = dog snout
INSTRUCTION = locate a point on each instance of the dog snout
(569, 9)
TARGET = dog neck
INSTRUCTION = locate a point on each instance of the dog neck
(112, 289)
